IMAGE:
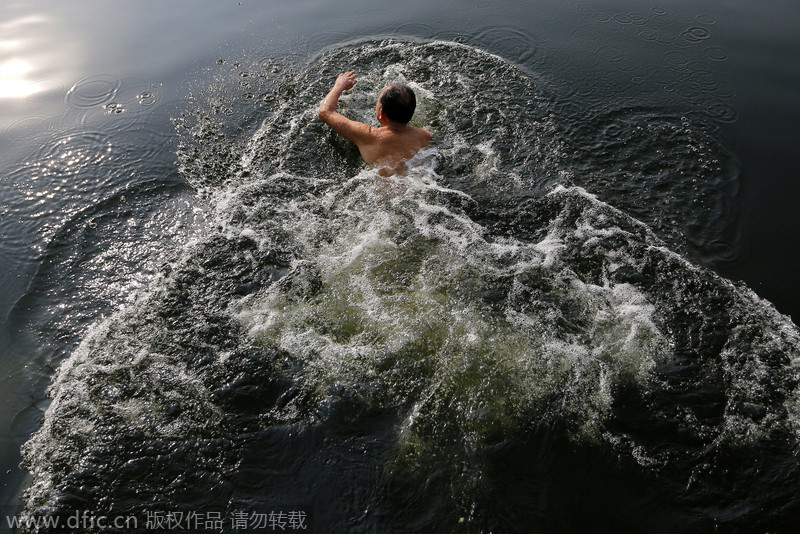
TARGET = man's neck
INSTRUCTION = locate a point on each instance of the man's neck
(395, 126)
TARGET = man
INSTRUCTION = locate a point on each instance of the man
(386, 148)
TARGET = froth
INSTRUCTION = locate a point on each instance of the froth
(407, 277)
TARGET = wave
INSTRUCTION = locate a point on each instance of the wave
(459, 349)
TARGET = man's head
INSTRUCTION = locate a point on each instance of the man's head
(397, 102)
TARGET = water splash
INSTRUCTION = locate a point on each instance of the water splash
(351, 344)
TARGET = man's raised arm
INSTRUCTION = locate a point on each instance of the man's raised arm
(357, 132)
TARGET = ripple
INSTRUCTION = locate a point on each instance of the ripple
(722, 111)
(601, 17)
(611, 54)
(658, 11)
(645, 159)
(70, 153)
(570, 110)
(638, 18)
(657, 36)
(147, 98)
(135, 94)
(131, 106)
(695, 34)
(649, 35)
(675, 57)
(705, 19)
(623, 18)
(93, 91)
(699, 75)
(97, 254)
(513, 43)
(662, 74)
(147, 143)
(113, 117)
(580, 7)
(716, 53)
(27, 420)
(419, 29)
(27, 129)
(586, 34)
(723, 250)
(725, 90)
(42, 90)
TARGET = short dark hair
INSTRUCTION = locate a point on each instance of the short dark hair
(398, 103)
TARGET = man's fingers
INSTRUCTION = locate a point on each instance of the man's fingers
(346, 79)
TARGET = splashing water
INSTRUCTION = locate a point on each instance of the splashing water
(452, 350)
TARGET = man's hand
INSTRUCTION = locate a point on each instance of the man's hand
(346, 80)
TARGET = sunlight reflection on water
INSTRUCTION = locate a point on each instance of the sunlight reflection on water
(36, 54)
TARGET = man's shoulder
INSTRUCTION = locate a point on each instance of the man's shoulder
(424, 134)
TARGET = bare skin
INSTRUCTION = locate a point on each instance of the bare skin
(386, 148)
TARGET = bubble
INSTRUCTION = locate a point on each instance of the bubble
(114, 108)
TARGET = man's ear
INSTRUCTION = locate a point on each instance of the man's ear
(382, 118)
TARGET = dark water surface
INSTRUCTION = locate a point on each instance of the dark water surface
(573, 315)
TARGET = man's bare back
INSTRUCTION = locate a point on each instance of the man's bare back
(388, 147)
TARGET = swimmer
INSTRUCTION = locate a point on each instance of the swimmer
(386, 148)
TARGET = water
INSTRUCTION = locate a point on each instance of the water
(528, 333)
